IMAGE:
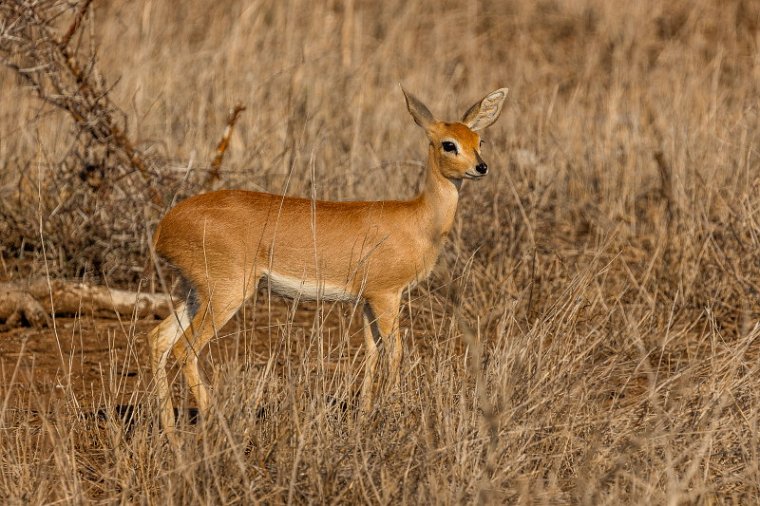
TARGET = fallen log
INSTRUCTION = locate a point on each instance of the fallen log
(33, 302)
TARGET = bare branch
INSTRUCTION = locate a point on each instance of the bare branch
(74, 27)
(29, 47)
(223, 144)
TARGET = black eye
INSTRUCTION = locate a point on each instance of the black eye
(449, 146)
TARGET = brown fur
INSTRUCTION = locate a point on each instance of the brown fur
(224, 242)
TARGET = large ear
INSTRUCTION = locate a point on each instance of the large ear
(485, 112)
(417, 109)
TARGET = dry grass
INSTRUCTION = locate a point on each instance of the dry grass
(590, 334)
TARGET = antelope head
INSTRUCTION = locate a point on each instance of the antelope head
(456, 146)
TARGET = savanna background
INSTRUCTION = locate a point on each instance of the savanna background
(589, 335)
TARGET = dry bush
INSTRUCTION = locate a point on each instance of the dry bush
(590, 333)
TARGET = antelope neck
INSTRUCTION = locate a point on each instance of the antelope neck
(439, 197)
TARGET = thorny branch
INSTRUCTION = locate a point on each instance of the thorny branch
(30, 47)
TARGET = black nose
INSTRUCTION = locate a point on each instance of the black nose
(481, 168)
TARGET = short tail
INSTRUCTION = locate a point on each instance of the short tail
(149, 269)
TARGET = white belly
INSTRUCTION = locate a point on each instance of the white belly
(296, 288)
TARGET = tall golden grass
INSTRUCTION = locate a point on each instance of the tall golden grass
(590, 334)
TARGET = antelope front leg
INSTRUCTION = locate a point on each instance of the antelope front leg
(380, 330)
(371, 341)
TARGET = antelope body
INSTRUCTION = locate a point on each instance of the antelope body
(223, 243)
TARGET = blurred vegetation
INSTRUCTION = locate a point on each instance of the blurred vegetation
(609, 265)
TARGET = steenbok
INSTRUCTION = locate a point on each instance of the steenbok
(224, 242)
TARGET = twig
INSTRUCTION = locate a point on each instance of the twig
(224, 143)
(74, 27)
